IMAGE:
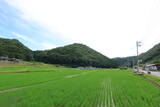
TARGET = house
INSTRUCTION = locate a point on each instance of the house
(158, 66)
(152, 67)
(14, 60)
(3, 58)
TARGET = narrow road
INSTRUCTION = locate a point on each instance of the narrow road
(152, 73)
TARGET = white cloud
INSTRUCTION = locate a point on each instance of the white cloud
(109, 26)
(1, 36)
(48, 45)
(45, 45)
(24, 38)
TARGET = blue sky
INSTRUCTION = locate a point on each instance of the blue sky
(12, 25)
(111, 27)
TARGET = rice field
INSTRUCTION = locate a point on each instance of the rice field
(51, 86)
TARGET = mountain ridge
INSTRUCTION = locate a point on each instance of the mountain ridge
(73, 55)
(150, 56)
(15, 49)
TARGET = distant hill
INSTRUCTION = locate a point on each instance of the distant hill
(15, 49)
(74, 55)
(71, 55)
(152, 55)
(126, 61)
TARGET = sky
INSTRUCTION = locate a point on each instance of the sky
(111, 27)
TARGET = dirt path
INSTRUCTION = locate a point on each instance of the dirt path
(76, 75)
(29, 86)
(41, 83)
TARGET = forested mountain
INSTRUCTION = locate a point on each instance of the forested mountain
(15, 49)
(74, 55)
(152, 55)
(126, 61)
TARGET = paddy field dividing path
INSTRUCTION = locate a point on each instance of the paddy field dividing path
(67, 87)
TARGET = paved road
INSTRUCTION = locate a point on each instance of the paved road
(155, 73)
(152, 73)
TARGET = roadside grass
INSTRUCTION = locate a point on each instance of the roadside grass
(70, 87)
(153, 78)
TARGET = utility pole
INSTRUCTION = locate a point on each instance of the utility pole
(138, 44)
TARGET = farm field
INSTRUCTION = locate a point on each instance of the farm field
(43, 85)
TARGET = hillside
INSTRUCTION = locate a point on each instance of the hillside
(152, 55)
(71, 55)
(126, 61)
(14, 49)
(74, 55)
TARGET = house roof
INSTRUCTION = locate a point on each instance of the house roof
(158, 64)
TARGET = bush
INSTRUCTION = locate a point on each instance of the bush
(123, 68)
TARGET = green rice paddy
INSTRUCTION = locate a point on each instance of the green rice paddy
(50, 86)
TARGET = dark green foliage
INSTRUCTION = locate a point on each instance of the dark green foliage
(14, 49)
(74, 55)
(123, 68)
(126, 61)
(152, 55)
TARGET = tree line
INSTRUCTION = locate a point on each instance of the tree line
(72, 55)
